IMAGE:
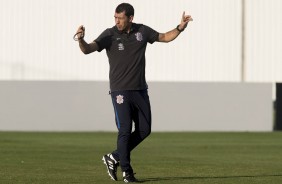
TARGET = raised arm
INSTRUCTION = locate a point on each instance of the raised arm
(171, 35)
(84, 46)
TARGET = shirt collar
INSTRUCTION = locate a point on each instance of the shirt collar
(132, 29)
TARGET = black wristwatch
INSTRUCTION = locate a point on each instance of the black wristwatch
(177, 27)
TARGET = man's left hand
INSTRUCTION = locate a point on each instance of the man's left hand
(184, 21)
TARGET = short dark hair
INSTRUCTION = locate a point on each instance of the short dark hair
(125, 7)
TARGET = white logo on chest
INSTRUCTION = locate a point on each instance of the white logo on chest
(139, 36)
(120, 44)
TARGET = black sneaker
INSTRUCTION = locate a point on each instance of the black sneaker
(111, 165)
(128, 177)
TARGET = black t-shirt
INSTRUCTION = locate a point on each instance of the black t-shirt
(126, 53)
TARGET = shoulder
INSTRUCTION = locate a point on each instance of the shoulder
(109, 31)
(140, 27)
(151, 34)
(146, 29)
(137, 26)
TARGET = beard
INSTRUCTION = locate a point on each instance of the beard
(123, 27)
(120, 28)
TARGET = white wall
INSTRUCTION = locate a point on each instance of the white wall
(36, 39)
(264, 40)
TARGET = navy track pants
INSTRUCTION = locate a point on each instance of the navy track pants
(130, 106)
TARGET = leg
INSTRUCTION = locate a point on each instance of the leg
(122, 107)
(141, 118)
(141, 115)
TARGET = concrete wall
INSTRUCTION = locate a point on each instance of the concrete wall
(86, 106)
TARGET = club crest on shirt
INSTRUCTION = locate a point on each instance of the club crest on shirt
(119, 99)
(139, 36)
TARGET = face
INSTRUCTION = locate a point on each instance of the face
(123, 22)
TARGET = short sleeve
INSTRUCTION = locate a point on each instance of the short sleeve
(104, 40)
(152, 34)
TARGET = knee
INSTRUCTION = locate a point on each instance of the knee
(124, 135)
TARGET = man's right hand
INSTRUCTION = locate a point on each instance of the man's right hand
(84, 46)
(80, 32)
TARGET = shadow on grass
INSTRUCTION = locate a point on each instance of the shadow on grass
(205, 177)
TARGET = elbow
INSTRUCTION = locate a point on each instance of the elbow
(169, 40)
(86, 48)
(85, 51)
(166, 41)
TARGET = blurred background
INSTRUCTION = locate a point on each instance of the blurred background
(230, 42)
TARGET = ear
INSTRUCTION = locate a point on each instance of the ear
(131, 18)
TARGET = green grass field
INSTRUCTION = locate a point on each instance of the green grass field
(170, 158)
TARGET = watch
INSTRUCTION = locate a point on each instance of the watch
(177, 27)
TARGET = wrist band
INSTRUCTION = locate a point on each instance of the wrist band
(177, 27)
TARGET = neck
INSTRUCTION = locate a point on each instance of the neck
(128, 28)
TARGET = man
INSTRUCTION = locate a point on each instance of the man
(125, 44)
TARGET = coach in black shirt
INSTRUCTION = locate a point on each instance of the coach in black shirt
(125, 44)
